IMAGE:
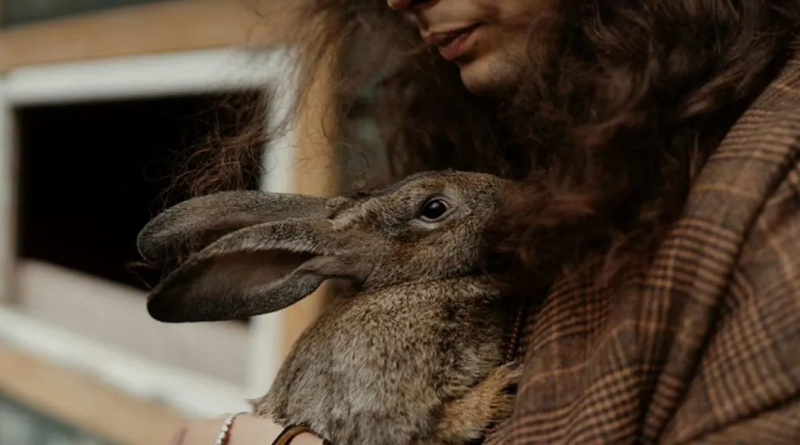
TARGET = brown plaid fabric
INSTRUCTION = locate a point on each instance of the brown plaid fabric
(704, 346)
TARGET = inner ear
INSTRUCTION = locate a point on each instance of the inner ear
(232, 285)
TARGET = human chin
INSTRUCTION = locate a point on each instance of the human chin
(487, 75)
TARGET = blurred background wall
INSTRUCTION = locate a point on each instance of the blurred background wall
(97, 98)
(19, 12)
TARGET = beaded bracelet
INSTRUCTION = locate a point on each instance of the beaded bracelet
(222, 438)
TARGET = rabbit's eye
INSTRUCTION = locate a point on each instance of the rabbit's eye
(433, 209)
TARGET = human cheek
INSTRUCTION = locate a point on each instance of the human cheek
(514, 12)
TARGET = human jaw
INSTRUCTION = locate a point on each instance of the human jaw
(486, 39)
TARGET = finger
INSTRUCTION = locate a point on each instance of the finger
(250, 429)
(201, 432)
(178, 437)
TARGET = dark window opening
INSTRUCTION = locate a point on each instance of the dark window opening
(93, 174)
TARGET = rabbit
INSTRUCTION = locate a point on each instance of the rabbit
(416, 354)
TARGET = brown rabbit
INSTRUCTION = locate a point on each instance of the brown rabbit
(415, 355)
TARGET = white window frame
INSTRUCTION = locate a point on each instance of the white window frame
(86, 322)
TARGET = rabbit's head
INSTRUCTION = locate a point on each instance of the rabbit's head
(261, 252)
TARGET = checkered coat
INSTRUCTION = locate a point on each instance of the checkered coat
(704, 345)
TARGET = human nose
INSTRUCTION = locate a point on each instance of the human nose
(404, 4)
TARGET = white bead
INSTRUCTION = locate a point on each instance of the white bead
(226, 427)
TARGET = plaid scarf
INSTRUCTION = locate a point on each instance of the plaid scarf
(704, 345)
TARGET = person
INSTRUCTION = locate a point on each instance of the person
(655, 231)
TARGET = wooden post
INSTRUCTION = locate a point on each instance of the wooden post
(316, 173)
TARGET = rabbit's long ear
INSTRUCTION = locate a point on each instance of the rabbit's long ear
(196, 223)
(253, 271)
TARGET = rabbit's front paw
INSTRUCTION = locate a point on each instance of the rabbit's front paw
(500, 389)
(488, 404)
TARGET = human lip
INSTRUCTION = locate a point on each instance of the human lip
(451, 44)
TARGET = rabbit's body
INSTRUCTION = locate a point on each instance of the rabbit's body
(415, 356)
(380, 367)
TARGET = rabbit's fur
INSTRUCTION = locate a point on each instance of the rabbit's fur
(415, 355)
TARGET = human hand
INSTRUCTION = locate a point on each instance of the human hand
(245, 430)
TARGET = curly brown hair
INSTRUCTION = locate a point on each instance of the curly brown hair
(604, 134)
